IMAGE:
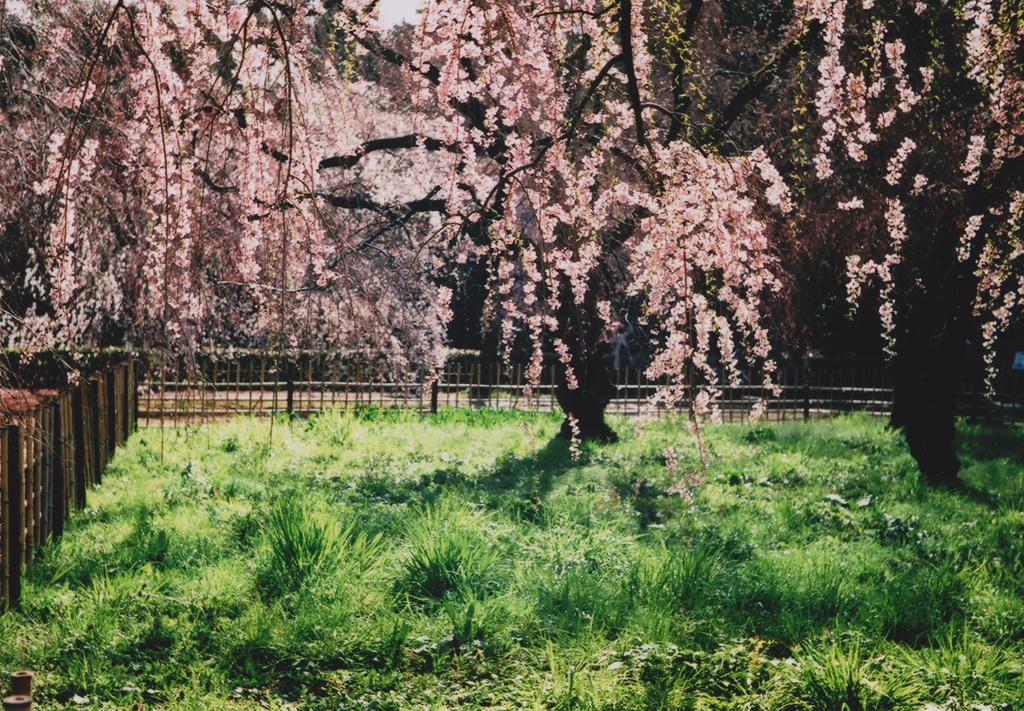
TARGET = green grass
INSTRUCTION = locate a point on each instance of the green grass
(382, 560)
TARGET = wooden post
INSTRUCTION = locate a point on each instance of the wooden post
(263, 379)
(58, 505)
(807, 388)
(130, 395)
(46, 462)
(252, 373)
(458, 382)
(5, 518)
(78, 434)
(32, 469)
(98, 422)
(15, 702)
(21, 683)
(177, 391)
(15, 522)
(323, 379)
(110, 397)
(290, 385)
(309, 386)
(122, 404)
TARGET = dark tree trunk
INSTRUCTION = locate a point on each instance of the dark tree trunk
(583, 332)
(589, 400)
(925, 385)
(933, 325)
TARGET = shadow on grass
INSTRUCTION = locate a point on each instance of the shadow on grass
(992, 458)
(987, 442)
(520, 484)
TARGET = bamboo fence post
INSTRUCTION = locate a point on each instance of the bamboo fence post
(78, 407)
(110, 379)
(323, 380)
(21, 683)
(309, 386)
(23, 499)
(435, 391)
(406, 397)
(177, 391)
(163, 395)
(101, 426)
(5, 518)
(277, 386)
(15, 513)
(263, 379)
(640, 380)
(34, 472)
(473, 383)
(249, 383)
(58, 498)
(45, 482)
(458, 383)
(131, 395)
(209, 394)
(122, 404)
(17, 702)
(118, 405)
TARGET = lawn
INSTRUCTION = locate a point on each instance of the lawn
(384, 560)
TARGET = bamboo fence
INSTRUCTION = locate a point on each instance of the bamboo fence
(221, 385)
(54, 445)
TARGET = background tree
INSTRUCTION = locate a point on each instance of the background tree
(183, 148)
(919, 142)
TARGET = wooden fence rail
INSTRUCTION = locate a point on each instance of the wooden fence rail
(54, 445)
(219, 386)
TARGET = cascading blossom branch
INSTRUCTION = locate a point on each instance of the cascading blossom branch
(886, 97)
(524, 196)
(225, 112)
(704, 263)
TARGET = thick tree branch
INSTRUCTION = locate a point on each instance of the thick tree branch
(681, 100)
(389, 55)
(411, 140)
(362, 201)
(753, 87)
(632, 85)
(205, 177)
(591, 90)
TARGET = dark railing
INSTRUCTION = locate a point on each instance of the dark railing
(218, 385)
(54, 444)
